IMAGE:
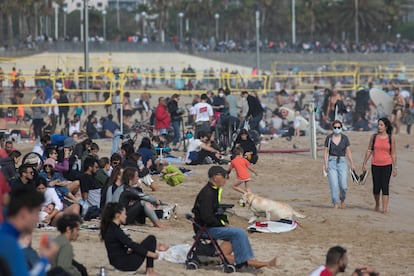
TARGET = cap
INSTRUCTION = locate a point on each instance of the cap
(214, 170)
(32, 160)
(69, 142)
(50, 162)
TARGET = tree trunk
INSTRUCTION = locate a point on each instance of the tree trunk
(10, 35)
(1, 29)
(21, 31)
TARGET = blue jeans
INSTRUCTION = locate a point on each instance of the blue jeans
(115, 141)
(238, 239)
(176, 126)
(338, 177)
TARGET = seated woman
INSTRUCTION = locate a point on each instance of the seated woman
(114, 188)
(62, 167)
(123, 253)
(139, 205)
(52, 197)
(250, 151)
(55, 180)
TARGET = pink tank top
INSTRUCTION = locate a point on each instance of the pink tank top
(381, 155)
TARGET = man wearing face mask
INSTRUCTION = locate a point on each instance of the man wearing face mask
(336, 262)
(337, 150)
(219, 104)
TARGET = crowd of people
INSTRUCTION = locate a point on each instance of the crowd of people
(69, 180)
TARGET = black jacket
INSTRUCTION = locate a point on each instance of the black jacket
(206, 205)
(174, 110)
(255, 107)
(117, 242)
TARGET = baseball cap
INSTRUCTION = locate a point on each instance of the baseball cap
(214, 170)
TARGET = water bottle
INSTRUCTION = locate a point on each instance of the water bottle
(102, 271)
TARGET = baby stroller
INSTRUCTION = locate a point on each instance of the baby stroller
(205, 247)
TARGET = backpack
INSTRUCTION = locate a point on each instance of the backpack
(375, 136)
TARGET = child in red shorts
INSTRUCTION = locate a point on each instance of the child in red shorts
(242, 167)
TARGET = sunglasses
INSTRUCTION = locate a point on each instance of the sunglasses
(337, 127)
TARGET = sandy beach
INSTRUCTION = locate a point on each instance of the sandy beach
(383, 241)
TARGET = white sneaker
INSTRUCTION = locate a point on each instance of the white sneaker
(169, 211)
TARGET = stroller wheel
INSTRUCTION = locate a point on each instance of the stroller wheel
(229, 268)
(191, 265)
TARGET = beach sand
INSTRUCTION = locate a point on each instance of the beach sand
(371, 238)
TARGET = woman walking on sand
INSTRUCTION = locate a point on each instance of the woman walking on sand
(383, 162)
(337, 150)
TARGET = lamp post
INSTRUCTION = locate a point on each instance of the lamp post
(356, 22)
(104, 24)
(65, 11)
(118, 20)
(86, 50)
(217, 17)
(56, 7)
(293, 23)
(258, 40)
(144, 22)
(181, 15)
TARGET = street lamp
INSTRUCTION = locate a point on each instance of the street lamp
(65, 11)
(356, 22)
(144, 23)
(181, 15)
(217, 17)
(293, 22)
(104, 23)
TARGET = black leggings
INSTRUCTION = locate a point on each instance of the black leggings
(135, 213)
(133, 261)
(381, 178)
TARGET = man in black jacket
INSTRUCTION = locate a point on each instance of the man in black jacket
(255, 110)
(205, 212)
(176, 117)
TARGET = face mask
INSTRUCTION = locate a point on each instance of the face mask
(221, 95)
(155, 145)
(337, 130)
(140, 163)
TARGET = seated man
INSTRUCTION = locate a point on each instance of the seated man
(198, 150)
(109, 127)
(68, 226)
(90, 188)
(236, 240)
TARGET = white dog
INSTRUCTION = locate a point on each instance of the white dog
(267, 208)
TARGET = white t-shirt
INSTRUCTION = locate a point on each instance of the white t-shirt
(277, 122)
(319, 271)
(52, 197)
(202, 111)
(55, 108)
(194, 145)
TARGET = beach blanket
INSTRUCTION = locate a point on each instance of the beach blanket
(175, 254)
(280, 226)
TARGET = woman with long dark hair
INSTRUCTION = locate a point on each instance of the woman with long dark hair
(383, 162)
(123, 253)
(138, 205)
